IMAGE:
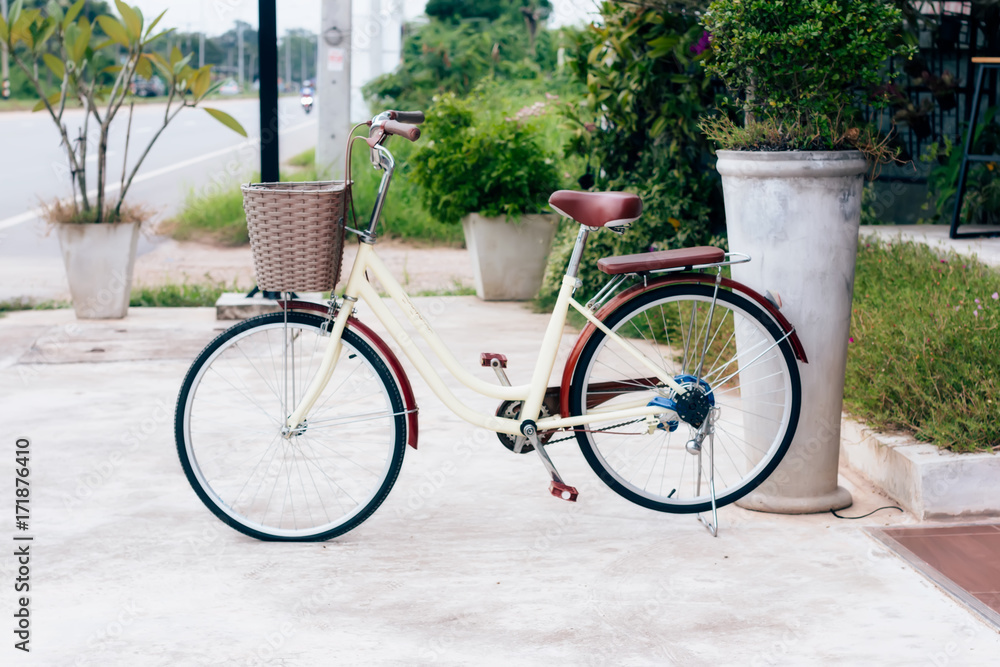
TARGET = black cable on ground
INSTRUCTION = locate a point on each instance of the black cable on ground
(887, 507)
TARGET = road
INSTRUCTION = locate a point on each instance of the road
(194, 152)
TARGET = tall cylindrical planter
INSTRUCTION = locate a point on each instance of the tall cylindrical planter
(508, 258)
(99, 259)
(796, 214)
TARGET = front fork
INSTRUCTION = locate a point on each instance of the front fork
(326, 369)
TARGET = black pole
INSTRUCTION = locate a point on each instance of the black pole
(268, 46)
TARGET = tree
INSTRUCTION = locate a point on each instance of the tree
(443, 56)
(76, 49)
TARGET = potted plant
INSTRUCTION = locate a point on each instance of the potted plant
(98, 233)
(489, 171)
(791, 171)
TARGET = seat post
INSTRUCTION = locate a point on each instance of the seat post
(574, 261)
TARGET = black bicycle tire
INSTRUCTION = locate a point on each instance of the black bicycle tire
(359, 344)
(639, 302)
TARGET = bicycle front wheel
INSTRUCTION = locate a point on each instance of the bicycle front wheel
(732, 354)
(322, 480)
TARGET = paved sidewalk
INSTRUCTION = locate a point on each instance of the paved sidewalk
(470, 560)
(987, 250)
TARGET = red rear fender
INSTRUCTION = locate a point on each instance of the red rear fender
(675, 279)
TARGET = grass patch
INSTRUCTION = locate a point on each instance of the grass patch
(923, 355)
(457, 290)
(180, 295)
(216, 216)
(306, 158)
(22, 303)
(403, 216)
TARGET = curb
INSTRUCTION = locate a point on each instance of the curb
(929, 482)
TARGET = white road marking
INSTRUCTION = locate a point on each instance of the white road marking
(114, 187)
(93, 158)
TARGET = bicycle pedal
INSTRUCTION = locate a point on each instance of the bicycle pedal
(498, 363)
(486, 359)
(563, 491)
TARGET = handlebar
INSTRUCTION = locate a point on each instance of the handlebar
(411, 132)
(411, 117)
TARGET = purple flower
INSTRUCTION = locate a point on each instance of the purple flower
(995, 296)
(703, 43)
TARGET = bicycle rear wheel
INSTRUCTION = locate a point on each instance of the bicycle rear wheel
(327, 477)
(733, 354)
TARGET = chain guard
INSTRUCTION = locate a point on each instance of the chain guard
(512, 410)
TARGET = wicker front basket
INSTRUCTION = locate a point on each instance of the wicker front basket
(296, 234)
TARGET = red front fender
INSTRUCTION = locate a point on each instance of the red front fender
(409, 401)
(675, 279)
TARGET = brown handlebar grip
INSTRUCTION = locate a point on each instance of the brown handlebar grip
(411, 132)
(411, 117)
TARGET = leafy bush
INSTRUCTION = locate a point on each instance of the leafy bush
(798, 67)
(981, 203)
(482, 158)
(487, 9)
(925, 329)
(445, 57)
(638, 131)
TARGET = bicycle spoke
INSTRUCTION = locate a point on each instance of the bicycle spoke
(324, 478)
(742, 372)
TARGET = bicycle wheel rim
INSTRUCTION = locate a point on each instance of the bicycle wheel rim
(329, 477)
(656, 470)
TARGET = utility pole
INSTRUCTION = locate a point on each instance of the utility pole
(201, 35)
(267, 46)
(333, 84)
(4, 64)
(302, 51)
(288, 61)
(239, 52)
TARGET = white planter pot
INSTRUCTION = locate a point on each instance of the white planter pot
(508, 259)
(99, 259)
(796, 214)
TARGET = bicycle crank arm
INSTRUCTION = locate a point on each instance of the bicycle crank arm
(557, 488)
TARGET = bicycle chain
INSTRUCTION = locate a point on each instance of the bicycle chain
(596, 430)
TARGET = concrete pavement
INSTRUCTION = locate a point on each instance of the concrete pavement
(470, 560)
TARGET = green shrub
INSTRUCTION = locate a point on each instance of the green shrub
(981, 203)
(798, 68)
(638, 130)
(445, 56)
(479, 157)
(925, 330)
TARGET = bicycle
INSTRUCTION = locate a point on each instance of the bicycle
(682, 390)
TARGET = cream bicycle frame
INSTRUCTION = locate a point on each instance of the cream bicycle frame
(360, 289)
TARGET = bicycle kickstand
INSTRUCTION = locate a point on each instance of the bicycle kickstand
(557, 488)
(713, 525)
